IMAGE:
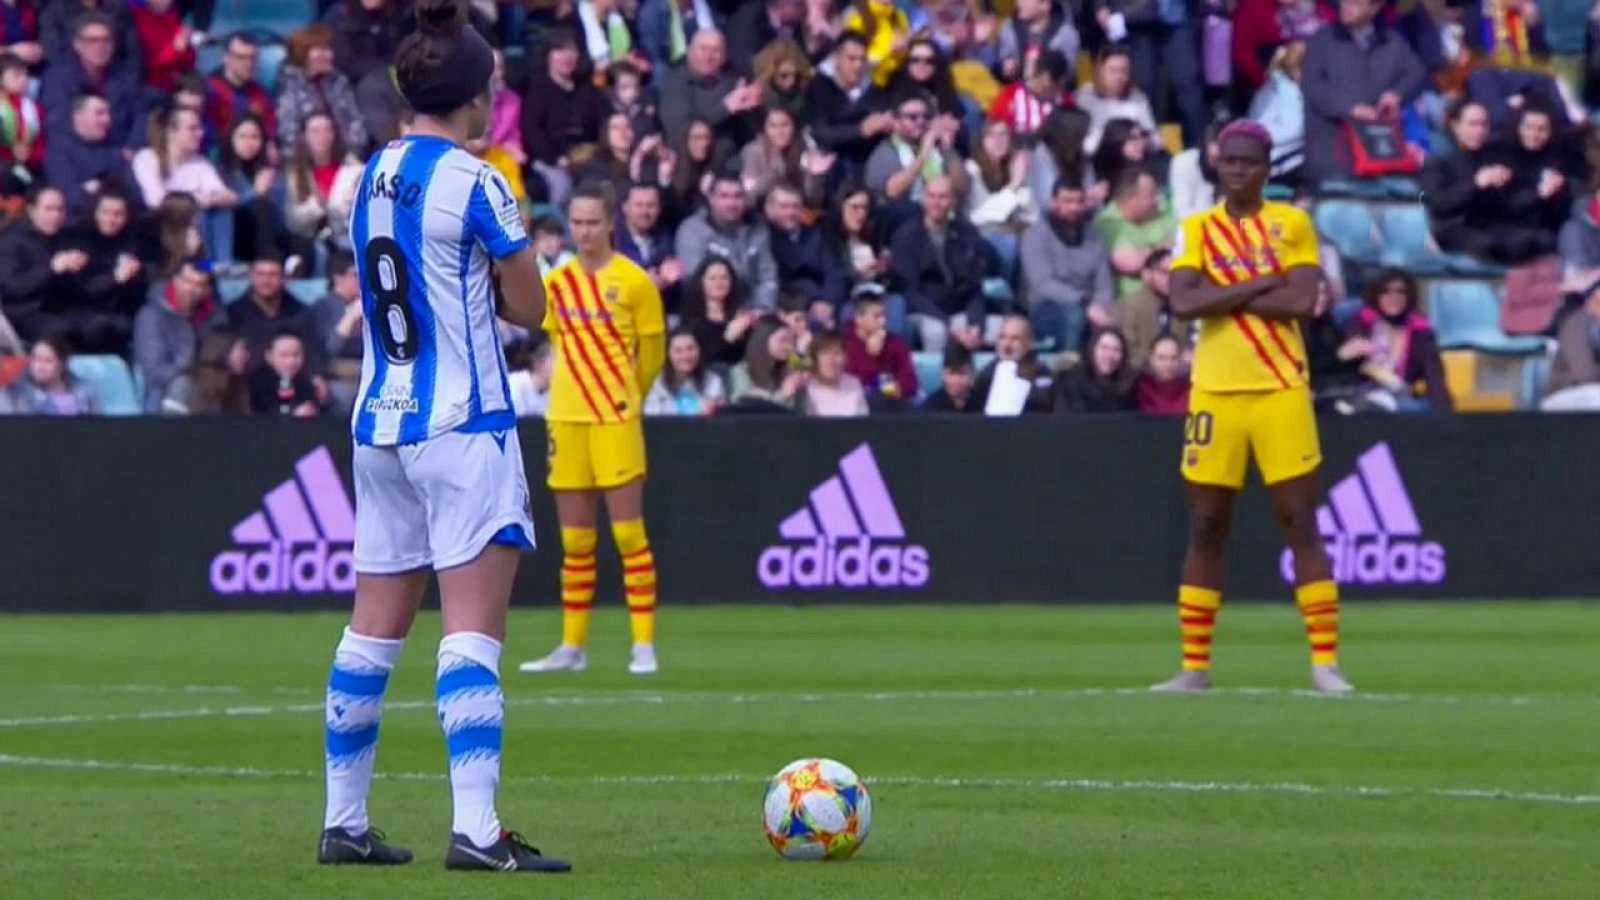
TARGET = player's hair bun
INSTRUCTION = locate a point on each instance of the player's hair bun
(440, 17)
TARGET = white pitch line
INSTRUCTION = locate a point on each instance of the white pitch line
(913, 781)
(652, 699)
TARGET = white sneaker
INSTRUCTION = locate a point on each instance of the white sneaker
(1329, 680)
(1185, 682)
(562, 659)
(644, 660)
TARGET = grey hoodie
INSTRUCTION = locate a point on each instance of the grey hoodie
(747, 246)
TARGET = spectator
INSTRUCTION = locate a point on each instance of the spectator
(112, 285)
(1124, 145)
(830, 390)
(1579, 243)
(700, 161)
(266, 309)
(879, 358)
(856, 243)
(1065, 271)
(505, 113)
(1575, 372)
(258, 219)
(641, 237)
(714, 309)
(38, 269)
(849, 115)
(611, 159)
(1103, 382)
(1140, 315)
(940, 263)
(687, 386)
(167, 330)
(190, 94)
(921, 148)
(282, 387)
(1112, 95)
(1059, 153)
(724, 228)
(19, 31)
(1263, 28)
(61, 24)
(800, 253)
(1014, 346)
(784, 73)
(1192, 178)
(233, 91)
(48, 388)
(998, 202)
(1400, 353)
(1026, 104)
(628, 97)
(666, 28)
(310, 83)
(550, 245)
(927, 72)
(703, 88)
(560, 111)
(84, 160)
(757, 25)
(1037, 28)
(21, 130)
(1135, 224)
(888, 33)
(1164, 49)
(1280, 107)
(606, 37)
(88, 69)
(956, 393)
(174, 162)
(531, 369)
(1355, 71)
(336, 324)
(365, 34)
(165, 42)
(322, 182)
(1482, 201)
(384, 110)
(779, 153)
(174, 234)
(764, 382)
(217, 383)
(1162, 389)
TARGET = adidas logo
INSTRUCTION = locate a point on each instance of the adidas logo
(849, 535)
(294, 548)
(1372, 533)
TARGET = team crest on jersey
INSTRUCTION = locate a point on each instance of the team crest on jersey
(612, 294)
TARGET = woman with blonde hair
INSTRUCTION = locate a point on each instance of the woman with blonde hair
(784, 72)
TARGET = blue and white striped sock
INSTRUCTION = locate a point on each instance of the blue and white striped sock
(471, 712)
(361, 667)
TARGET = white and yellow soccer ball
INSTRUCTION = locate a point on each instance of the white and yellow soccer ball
(817, 809)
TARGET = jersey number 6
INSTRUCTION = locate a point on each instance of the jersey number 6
(390, 281)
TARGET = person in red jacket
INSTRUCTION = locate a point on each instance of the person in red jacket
(168, 44)
(881, 360)
(1026, 102)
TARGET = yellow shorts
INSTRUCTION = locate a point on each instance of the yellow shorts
(585, 457)
(1224, 429)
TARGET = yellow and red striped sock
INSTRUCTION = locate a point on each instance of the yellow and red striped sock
(1197, 620)
(1319, 604)
(577, 584)
(638, 578)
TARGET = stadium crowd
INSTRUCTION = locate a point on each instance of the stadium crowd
(821, 188)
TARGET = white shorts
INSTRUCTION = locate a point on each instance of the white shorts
(440, 502)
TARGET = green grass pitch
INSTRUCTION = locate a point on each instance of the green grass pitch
(1011, 752)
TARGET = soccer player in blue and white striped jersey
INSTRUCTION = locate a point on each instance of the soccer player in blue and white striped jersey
(439, 476)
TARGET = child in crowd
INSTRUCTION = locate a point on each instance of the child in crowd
(282, 387)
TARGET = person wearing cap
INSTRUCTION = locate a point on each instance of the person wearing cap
(1249, 271)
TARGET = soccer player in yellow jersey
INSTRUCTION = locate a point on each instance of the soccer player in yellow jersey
(606, 322)
(1248, 270)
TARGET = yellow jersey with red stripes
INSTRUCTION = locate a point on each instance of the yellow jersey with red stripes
(595, 320)
(1240, 351)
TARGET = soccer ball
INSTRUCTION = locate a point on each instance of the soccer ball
(817, 809)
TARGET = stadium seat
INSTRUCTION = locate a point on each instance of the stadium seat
(1466, 315)
(281, 17)
(930, 373)
(1350, 226)
(1461, 374)
(1407, 241)
(998, 290)
(1355, 188)
(231, 289)
(307, 290)
(108, 378)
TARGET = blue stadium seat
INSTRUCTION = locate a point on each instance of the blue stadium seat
(1466, 315)
(109, 380)
(231, 289)
(1350, 226)
(281, 17)
(998, 290)
(307, 290)
(930, 373)
(1357, 188)
(1407, 241)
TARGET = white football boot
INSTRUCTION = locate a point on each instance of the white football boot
(644, 660)
(562, 659)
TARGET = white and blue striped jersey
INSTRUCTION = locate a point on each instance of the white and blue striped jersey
(428, 219)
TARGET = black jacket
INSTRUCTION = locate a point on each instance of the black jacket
(806, 268)
(941, 290)
(72, 161)
(100, 291)
(1083, 392)
(555, 120)
(835, 119)
(939, 402)
(27, 286)
(1042, 395)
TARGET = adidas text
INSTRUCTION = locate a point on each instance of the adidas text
(280, 570)
(851, 563)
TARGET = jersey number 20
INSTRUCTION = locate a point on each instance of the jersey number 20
(390, 280)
